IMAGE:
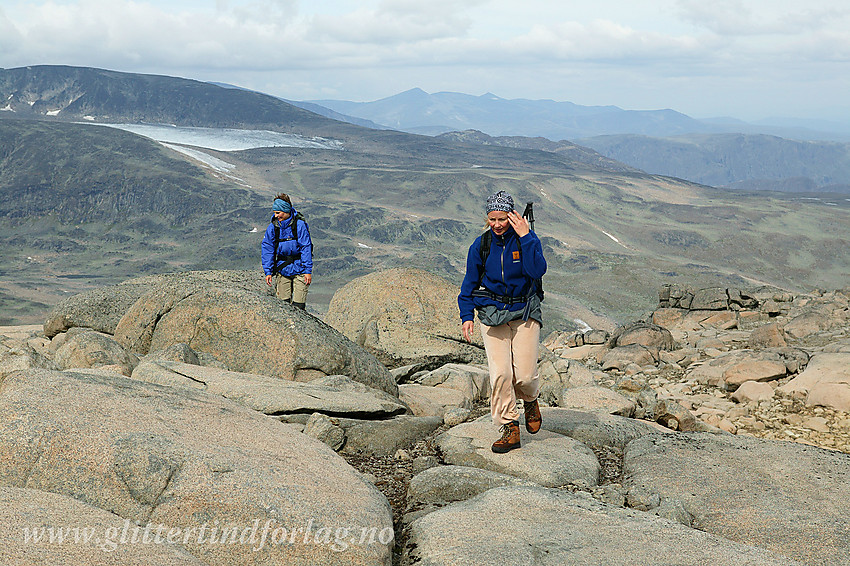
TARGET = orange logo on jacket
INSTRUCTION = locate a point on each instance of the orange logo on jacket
(516, 255)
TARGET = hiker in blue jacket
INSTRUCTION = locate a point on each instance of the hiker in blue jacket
(287, 253)
(502, 283)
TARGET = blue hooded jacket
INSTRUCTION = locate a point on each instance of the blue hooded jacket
(302, 248)
(507, 273)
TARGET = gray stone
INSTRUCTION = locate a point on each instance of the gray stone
(545, 458)
(274, 396)
(455, 416)
(646, 334)
(594, 429)
(92, 349)
(422, 463)
(710, 299)
(321, 427)
(597, 399)
(404, 316)
(16, 355)
(427, 401)
(385, 437)
(472, 381)
(674, 416)
(786, 497)
(446, 484)
(621, 356)
(567, 529)
(41, 514)
(183, 458)
(175, 353)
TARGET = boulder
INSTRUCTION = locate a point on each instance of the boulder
(594, 429)
(674, 416)
(425, 401)
(30, 517)
(566, 528)
(754, 369)
(92, 349)
(185, 459)
(101, 309)
(767, 336)
(597, 399)
(825, 381)
(472, 381)
(322, 427)
(649, 335)
(337, 396)
(785, 497)
(16, 355)
(404, 316)
(248, 332)
(620, 357)
(385, 437)
(446, 484)
(710, 299)
(753, 391)
(545, 458)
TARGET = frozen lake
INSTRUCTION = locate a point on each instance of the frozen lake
(224, 139)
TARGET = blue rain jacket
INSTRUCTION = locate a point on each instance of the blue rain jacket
(508, 272)
(302, 248)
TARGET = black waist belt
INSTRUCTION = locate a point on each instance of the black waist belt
(283, 261)
(500, 298)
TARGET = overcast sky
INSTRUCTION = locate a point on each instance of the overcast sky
(749, 59)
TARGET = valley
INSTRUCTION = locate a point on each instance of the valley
(85, 206)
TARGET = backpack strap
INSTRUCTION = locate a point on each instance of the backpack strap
(286, 259)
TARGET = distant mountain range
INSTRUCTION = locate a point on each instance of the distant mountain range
(417, 111)
(84, 205)
(719, 152)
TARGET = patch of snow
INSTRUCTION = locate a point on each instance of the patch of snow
(225, 139)
(53, 112)
(831, 203)
(8, 108)
(89, 118)
(212, 162)
(252, 230)
(809, 198)
(364, 246)
(610, 236)
(582, 325)
(477, 166)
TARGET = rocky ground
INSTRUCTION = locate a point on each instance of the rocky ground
(738, 366)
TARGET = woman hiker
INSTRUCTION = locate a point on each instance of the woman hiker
(287, 253)
(502, 283)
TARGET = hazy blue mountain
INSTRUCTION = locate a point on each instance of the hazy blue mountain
(756, 162)
(417, 111)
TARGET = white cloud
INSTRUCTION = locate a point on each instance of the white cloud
(686, 54)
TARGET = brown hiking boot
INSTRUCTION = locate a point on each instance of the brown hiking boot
(509, 440)
(533, 418)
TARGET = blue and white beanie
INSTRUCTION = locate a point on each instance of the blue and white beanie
(500, 201)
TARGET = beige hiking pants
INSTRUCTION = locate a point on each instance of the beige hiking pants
(291, 288)
(512, 358)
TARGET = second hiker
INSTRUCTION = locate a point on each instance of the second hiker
(287, 253)
(502, 283)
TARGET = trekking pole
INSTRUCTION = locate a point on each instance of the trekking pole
(529, 214)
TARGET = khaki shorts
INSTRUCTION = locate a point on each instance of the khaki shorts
(292, 288)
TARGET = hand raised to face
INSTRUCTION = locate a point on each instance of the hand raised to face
(519, 223)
